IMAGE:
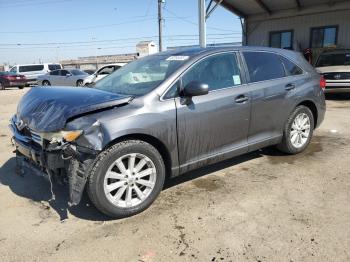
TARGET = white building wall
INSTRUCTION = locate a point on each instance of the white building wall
(259, 27)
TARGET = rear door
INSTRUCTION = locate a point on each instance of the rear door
(273, 92)
(213, 127)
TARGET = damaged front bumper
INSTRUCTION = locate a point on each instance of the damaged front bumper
(55, 160)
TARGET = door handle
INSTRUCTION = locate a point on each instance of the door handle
(290, 86)
(241, 99)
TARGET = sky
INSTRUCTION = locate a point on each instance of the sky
(53, 30)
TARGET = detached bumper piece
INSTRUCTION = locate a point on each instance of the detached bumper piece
(65, 162)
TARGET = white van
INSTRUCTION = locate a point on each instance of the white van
(32, 71)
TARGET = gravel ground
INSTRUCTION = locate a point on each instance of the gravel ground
(262, 206)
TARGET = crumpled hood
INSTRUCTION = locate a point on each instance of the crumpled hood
(47, 109)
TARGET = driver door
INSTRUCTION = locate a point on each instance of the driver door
(213, 127)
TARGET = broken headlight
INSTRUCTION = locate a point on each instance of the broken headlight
(62, 136)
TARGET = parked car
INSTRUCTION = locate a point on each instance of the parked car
(32, 71)
(64, 77)
(10, 79)
(334, 65)
(164, 115)
(101, 73)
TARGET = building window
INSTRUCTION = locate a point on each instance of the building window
(281, 39)
(324, 36)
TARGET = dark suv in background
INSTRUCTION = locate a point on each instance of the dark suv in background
(164, 115)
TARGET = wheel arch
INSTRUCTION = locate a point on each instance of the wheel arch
(313, 108)
(159, 145)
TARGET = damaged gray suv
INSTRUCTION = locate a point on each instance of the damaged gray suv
(165, 115)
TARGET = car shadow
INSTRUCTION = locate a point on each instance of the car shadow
(203, 171)
(37, 188)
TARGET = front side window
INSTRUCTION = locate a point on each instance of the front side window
(141, 76)
(324, 36)
(263, 66)
(281, 39)
(218, 71)
(106, 70)
(54, 67)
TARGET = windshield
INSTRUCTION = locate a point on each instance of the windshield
(338, 59)
(77, 72)
(141, 76)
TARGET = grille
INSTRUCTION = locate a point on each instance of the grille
(337, 75)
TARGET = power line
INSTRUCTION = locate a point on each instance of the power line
(32, 4)
(77, 29)
(194, 23)
(86, 27)
(114, 40)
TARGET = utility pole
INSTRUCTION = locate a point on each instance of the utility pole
(202, 24)
(160, 24)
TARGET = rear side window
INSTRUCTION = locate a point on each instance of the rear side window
(263, 66)
(63, 72)
(54, 67)
(55, 73)
(291, 68)
(30, 68)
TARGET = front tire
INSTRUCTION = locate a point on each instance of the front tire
(126, 178)
(298, 131)
(80, 83)
(46, 83)
(2, 86)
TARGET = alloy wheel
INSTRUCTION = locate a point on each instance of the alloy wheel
(300, 130)
(129, 180)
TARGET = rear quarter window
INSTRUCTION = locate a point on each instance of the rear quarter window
(291, 68)
(263, 66)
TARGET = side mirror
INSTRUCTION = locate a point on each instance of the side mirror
(195, 88)
(68, 75)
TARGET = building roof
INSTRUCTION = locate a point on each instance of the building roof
(143, 43)
(244, 8)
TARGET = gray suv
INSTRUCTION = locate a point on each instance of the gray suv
(164, 115)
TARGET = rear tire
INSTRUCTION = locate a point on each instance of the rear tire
(298, 131)
(46, 83)
(118, 186)
(20, 87)
(2, 86)
(80, 83)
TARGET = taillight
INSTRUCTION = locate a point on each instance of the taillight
(322, 82)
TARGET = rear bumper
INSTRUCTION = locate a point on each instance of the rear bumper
(16, 83)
